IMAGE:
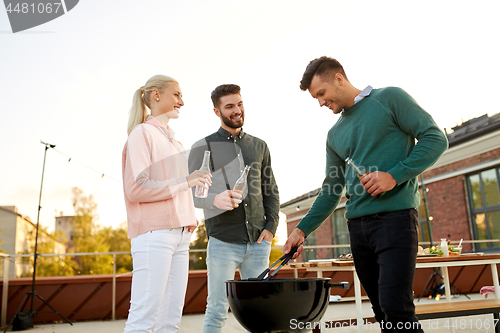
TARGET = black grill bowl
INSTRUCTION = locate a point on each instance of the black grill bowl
(278, 305)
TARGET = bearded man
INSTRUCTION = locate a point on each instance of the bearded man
(240, 225)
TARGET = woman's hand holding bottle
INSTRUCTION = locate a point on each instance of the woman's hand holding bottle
(200, 178)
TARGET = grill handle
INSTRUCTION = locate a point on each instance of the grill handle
(341, 285)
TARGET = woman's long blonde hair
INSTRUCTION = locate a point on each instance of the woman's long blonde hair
(138, 112)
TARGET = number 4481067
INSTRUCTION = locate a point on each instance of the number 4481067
(31, 8)
(471, 324)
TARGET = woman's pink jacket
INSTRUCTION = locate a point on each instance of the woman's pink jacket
(154, 181)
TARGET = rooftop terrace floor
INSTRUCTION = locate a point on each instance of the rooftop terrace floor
(192, 323)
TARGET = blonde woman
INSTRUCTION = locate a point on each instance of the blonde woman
(160, 209)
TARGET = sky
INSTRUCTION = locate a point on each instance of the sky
(70, 82)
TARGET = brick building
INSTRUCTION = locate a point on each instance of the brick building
(462, 192)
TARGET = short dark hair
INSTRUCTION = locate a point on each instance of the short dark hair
(323, 66)
(224, 90)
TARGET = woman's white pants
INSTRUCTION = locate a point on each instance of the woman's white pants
(159, 282)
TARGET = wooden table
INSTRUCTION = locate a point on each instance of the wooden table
(422, 262)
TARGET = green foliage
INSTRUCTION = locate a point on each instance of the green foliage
(46, 266)
(118, 241)
(197, 260)
(276, 253)
(88, 238)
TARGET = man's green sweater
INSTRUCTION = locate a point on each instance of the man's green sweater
(379, 134)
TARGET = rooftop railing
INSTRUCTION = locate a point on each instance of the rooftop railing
(8, 257)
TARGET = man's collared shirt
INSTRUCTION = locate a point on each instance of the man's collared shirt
(363, 94)
(260, 204)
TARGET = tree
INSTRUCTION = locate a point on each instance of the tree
(275, 253)
(87, 237)
(118, 241)
(46, 266)
(197, 260)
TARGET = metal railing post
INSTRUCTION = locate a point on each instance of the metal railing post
(113, 301)
(5, 290)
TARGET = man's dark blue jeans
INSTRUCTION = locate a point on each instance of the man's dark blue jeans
(384, 247)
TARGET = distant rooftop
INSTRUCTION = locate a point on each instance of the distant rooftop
(308, 195)
(468, 130)
(473, 128)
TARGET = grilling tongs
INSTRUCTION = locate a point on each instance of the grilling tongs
(285, 259)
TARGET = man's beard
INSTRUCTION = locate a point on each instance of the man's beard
(229, 123)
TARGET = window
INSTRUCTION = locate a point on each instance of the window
(340, 232)
(484, 201)
(423, 232)
(310, 254)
